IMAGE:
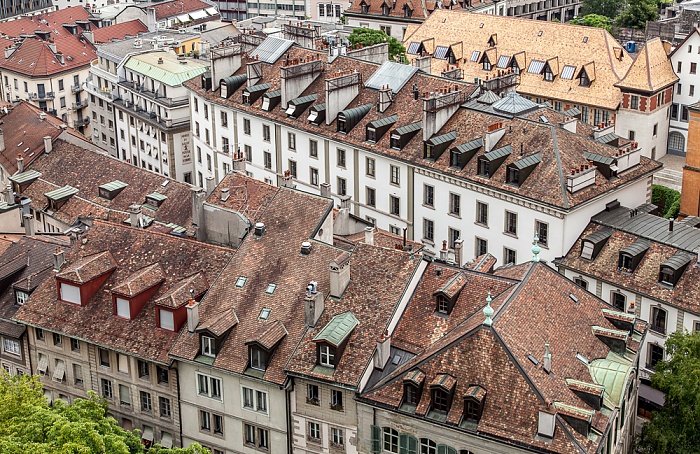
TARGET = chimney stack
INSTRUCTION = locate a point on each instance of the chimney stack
(459, 245)
(383, 352)
(326, 190)
(192, 315)
(28, 224)
(9, 195)
(287, 181)
(670, 225)
(438, 109)
(443, 251)
(48, 145)
(135, 215)
(2, 141)
(369, 235)
(547, 361)
(225, 194)
(313, 304)
(59, 258)
(385, 98)
(20, 163)
(42, 116)
(210, 184)
(340, 278)
(239, 161)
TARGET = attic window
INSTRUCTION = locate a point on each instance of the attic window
(584, 80)
(110, 190)
(155, 199)
(475, 56)
(364, 7)
(548, 74)
(123, 308)
(587, 250)
(411, 394)
(208, 346)
(443, 304)
(667, 276)
(270, 289)
(240, 282)
(407, 11)
(70, 293)
(385, 10)
(258, 358)
(264, 313)
(440, 400)
(472, 410)
(585, 39)
(326, 355)
(535, 67)
(166, 319)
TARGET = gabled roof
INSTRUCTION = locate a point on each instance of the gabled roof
(177, 8)
(88, 268)
(338, 329)
(184, 291)
(247, 196)
(119, 31)
(34, 57)
(651, 70)
(130, 248)
(141, 280)
(269, 336)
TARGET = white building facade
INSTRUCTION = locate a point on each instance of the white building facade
(685, 59)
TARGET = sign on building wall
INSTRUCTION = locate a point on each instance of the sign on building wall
(186, 149)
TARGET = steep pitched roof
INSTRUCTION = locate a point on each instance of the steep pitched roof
(131, 248)
(651, 70)
(177, 7)
(246, 195)
(119, 31)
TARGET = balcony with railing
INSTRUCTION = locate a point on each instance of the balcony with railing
(81, 122)
(95, 90)
(83, 103)
(154, 95)
(151, 117)
(41, 96)
(77, 88)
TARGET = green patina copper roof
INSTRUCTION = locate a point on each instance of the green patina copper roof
(61, 193)
(470, 146)
(447, 138)
(157, 196)
(256, 88)
(528, 161)
(611, 372)
(338, 329)
(598, 158)
(170, 72)
(386, 121)
(414, 127)
(24, 177)
(498, 153)
(114, 186)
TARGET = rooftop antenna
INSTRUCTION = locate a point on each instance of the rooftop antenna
(488, 310)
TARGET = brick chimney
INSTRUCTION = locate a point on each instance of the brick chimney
(494, 133)
(438, 108)
(340, 278)
(341, 89)
(296, 76)
(313, 304)
(192, 315)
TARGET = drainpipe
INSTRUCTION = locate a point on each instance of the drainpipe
(288, 392)
(179, 399)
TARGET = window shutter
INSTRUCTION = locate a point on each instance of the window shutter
(408, 444)
(376, 439)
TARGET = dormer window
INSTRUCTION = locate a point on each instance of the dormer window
(517, 172)
(407, 11)
(258, 358)
(512, 176)
(155, 200)
(364, 7)
(441, 390)
(483, 169)
(548, 74)
(473, 404)
(208, 346)
(410, 394)
(514, 67)
(326, 355)
(371, 134)
(166, 319)
(123, 308)
(385, 10)
(70, 293)
(58, 197)
(110, 190)
(584, 81)
(666, 276)
(440, 400)
(261, 344)
(587, 250)
(672, 269)
(592, 244)
(443, 304)
(21, 297)
(485, 63)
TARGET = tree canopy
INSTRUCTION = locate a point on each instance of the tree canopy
(637, 13)
(607, 8)
(369, 37)
(594, 20)
(28, 423)
(675, 428)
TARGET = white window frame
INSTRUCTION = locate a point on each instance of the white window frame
(325, 357)
(211, 384)
(260, 403)
(208, 347)
(11, 347)
(70, 293)
(168, 322)
(123, 308)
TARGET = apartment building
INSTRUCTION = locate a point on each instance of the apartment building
(171, 14)
(476, 350)
(70, 182)
(120, 284)
(152, 113)
(26, 263)
(11, 9)
(581, 71)
(684, 60)
(48, 68)
(398, 144)
(395, 18)
(645, 266)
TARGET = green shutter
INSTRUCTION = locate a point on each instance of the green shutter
(376, 439)
(444, 449)
(412, 445)
(403, 444)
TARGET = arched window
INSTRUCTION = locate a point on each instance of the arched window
(428, 446)
(391, 440)
(676, 141)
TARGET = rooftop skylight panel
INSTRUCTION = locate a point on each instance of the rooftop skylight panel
(535, 67)
(270, 289)
(568, 72)
(503, 61)
(413, 48)
(475, 56)
(440, 52)
(265, 313)
(240, 282)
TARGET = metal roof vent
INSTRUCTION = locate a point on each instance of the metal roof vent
(306, 248)
(259, 229)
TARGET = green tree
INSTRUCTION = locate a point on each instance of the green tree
(675, 428)
(637, 13)
(593, 20)
(369, 37)
(29, 424)
(608, 8)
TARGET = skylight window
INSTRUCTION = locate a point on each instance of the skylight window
(535, 67)
(585, 39)
(582, 358)
(271, 289)
(475, 56)
(264, 313)
(240, 282)
(568, 72)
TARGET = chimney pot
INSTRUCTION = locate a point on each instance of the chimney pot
(48, 145)
(670, 225)
(306, 248)
(59, 258)
(259, 229)
(20, 163)
(135, 215)
(192, 315)
(28, 224)
(225, 194)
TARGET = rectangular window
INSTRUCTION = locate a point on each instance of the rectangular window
(428, 195)
(144, 369)
(481, 247)
(249, 435)
(313, 148)
(78, 375)
(106, 389)
(371, 197)
(482, 213)
(224, 119)
(293, 168)
(218, 424)
(693, 68)
(104, 357)
(167, 320)
(370, 167)
(508, 256)
(691, 92)
(291, 141)
(39, 334)
(394, 205)
(684, 113)
(261, 401)
(428, 230)
(336, 399)
(124, 396)
(122, 363)
(511, 225)
(395, 175)
(337, 437)
(208, 386)
(342, 186)
(454, 204)
(453, 237)
(631, 135)
(208, 346)
(341, 157)
(267, 159)
(204, 421)
(246, 127)
(248, 398)
(206, 111)
(314, 431)
(162, 375)
(312, 394)
(542, 230)
(314, 176)
(679, 89)
(164, 406)
(11, 346)
(248, 152)
(679, 67)
(266, 133)
(634, 102)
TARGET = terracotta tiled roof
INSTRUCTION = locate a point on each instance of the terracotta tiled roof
(420, 9)
(560, 150)
(52, 20)
(88, 268)
(651, 70)
(23, 129)
(536, 311)
(143, 279)
(86, 170)
(37, 254)
(178, 7)
(130, 248)
(269, 336)
(247, 195)
(183, 291)
(382, 238)
(290, 218)
(573, 45)
(378, 278)
(119, 31)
